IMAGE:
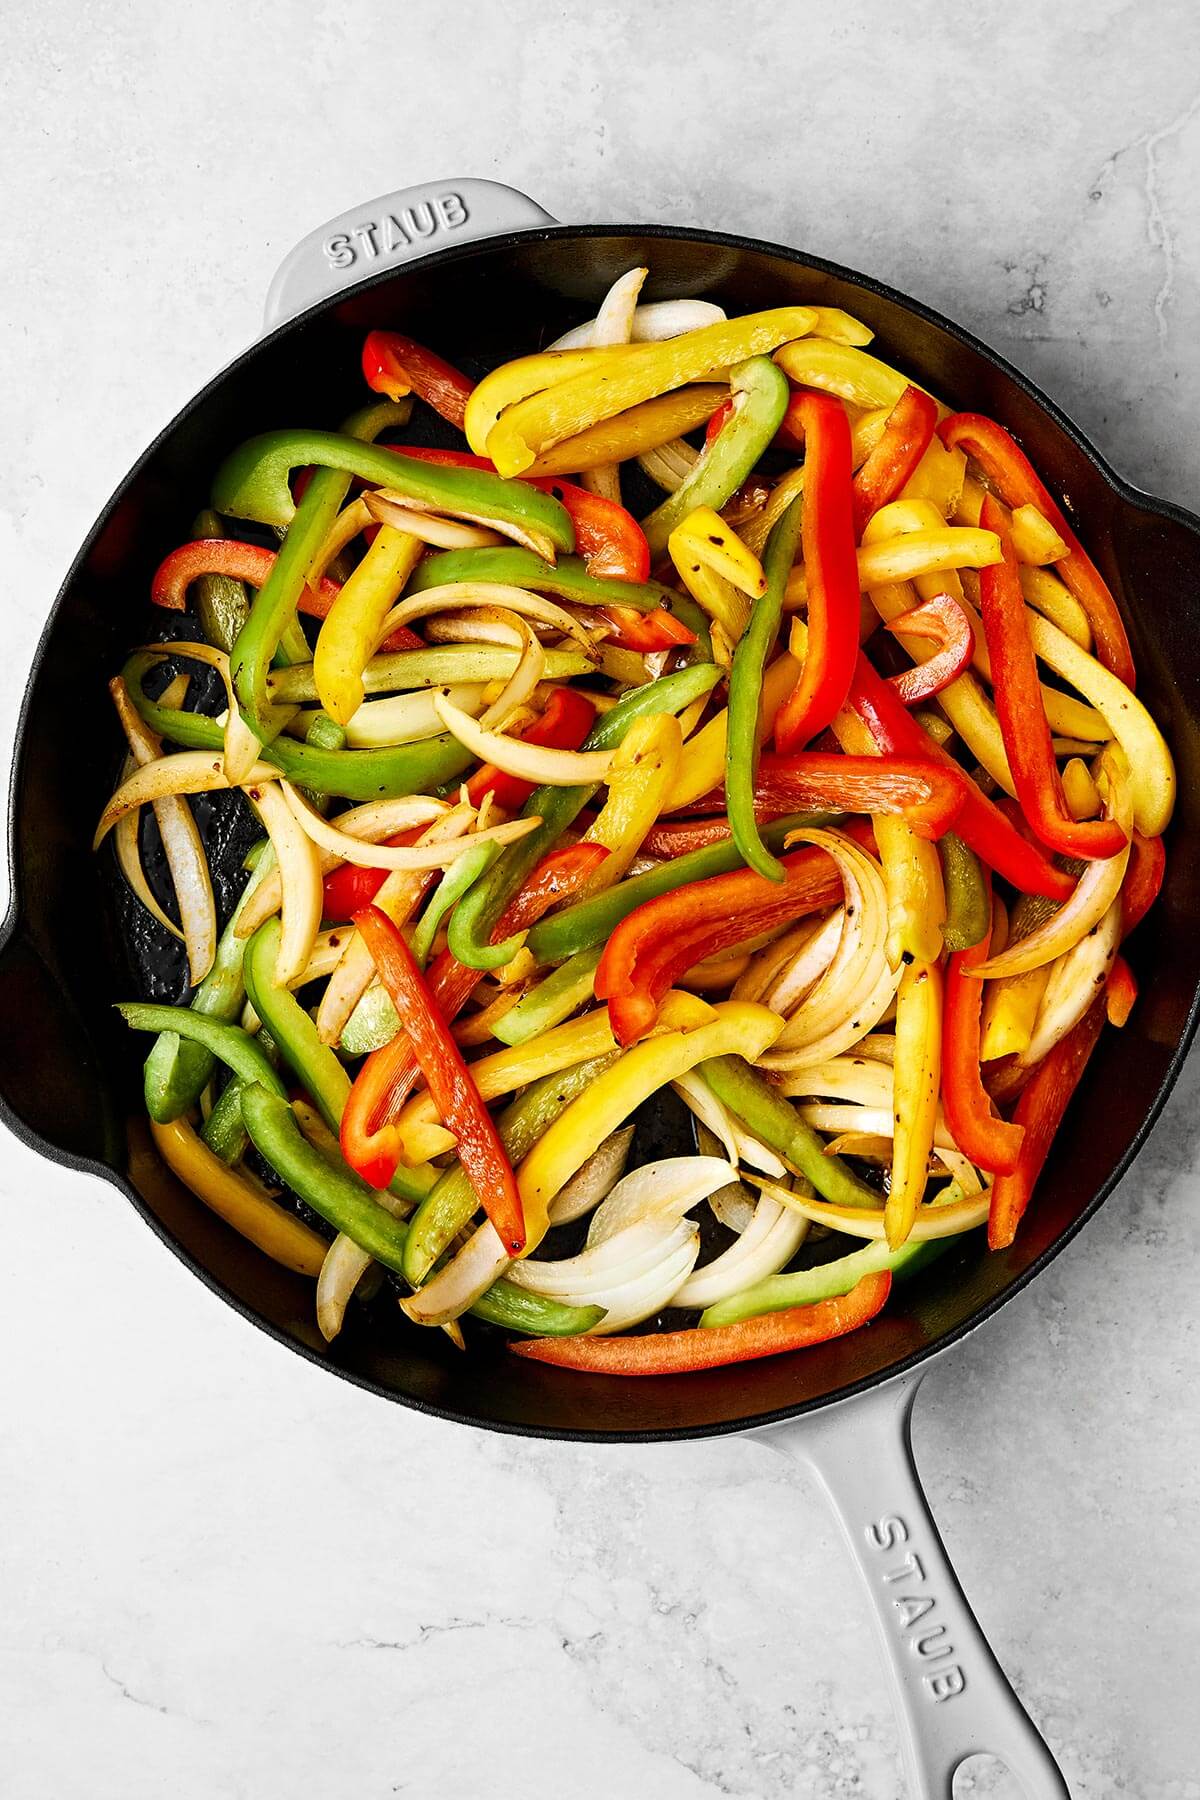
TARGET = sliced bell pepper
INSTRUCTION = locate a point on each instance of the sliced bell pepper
(614, 380)
(715, 1346)
(918, 1079)
(475, 917)
(930, 798)
(664, 937)
(942, 620)
(894, 459)
(1022, 716)
(646, 632)
(980, 824)
(723, 577)
(1040, 1111)
(775, 1122)
(1143, 880)
(789, 436)
(1018, 484)
(567, 577)
(222, 604)
(351, 628)
(228, 1043)
(1120, 993)
(370, 1142)
(760, 395)
(639, 785)
(564, 725)
(274, 1230)
(745, 696)
(396, 365)
(827, 535)
(448, 1078)
(968, 901)
(346, 890)
(974, 1124)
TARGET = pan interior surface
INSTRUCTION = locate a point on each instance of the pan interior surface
(71, 1077)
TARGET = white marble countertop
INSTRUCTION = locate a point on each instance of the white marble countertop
(225, 1574)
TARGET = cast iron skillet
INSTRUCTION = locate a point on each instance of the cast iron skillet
(69, 1082)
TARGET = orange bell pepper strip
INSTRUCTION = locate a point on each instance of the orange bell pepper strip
(396, 365)
(369, 1139)
(974, 1124)
(831, 566)
(892, 462)
(715, 1346)
(449, 1080)
(1017, 482)
(1044, 1100)
(1120, 992)
(658, 630)
(942, 620)
(1022, 715)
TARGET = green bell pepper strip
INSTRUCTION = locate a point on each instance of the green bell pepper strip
(346, 1203)
(589, 922)
(325, 733)
(760, 393)
(453, 1203)
(552, 1000)
(805, 1287)
(478, 912)
(358, 775)
(690, 613)
(228, 1043)
(774, 1120)
(968, 902)
(745, 694)
(224, 1130)
(568, 578)
(371, 1025)
(313, 1063)
(438, 666)
(177, 1068)
(221, 603)
(448, 892)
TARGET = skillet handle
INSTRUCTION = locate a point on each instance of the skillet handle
(396, 228)
(951, 1696)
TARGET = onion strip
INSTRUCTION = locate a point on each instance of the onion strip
(454, 594)
(299, 870)
(528, 762)
(388, 507)
(393, 856)
(183, 772)
(767, 1245)
(932, 1220)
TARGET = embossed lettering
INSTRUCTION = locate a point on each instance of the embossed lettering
(921, 1644)
(451, 210)
(911, 1565)
(393, 233)
(420, 219)
(887, 1532)
(339, 251)
(366, 237)
(946, 1683)
(913, 1607)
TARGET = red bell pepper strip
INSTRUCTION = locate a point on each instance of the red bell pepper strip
(1120, 992)
(609, 539)
(943, 620)
(563, 725)
(714, 1346)
(1017, 482)
(929, 798)
(980, 824)
(679, 837)
(451, 1085)
(974, 1125)
(349, 888)
(370, 1142)
(657, 630)
(1040, 1110)
(1143, 880)
(396, 365)
(246, 562)
(788, 436)
(906, 437)
(1022, 715)
(653, 945)
(827, 535)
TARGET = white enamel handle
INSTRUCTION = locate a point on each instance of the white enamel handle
(392, 230)
(952, 1698)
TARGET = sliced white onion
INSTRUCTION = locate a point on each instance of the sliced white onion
(538, 763)
(241, 745)
(484, 528)
(877, 1121)
(129, 860)
(387, 507)
(733, 1207)
(941, 1217)
(652, 323)
(670, 465)
(393, 856)
(579, 1280)
(1093, 894)
(406, 718)
(614, 325)
(183, 772)
(647, 1294)
(326, 954)
(451, 596)
(740, 1145)
(792, 984)
(767, 1245)
(520, 685)
(344, 1267)
(861, 1079)
(597, 1177)
(300, 878)
(470, 1273)
(775, 956)
(480, 627)
(658, 1191)
(1075, 980)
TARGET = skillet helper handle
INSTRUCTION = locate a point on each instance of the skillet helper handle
(952, 1698)
(394, 229)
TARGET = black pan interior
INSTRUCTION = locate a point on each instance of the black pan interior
(69, 1077)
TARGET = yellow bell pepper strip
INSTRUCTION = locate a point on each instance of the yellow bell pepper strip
(478, 912)
(911, 553)
(760, 397)
(745, 696)
(737, 1029)
(841, 369)
(938, 478)
(683, 1352)
(242, 1204)
(522, 378)
(1010, 1007)
(638, 432)
(351, 628)
(918, 1075)
(639, 785)
(717, 569)
(567, 577)
(1053, 598)
(1034, 539)
(827, 534)
(624, 377)
(968, 903)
